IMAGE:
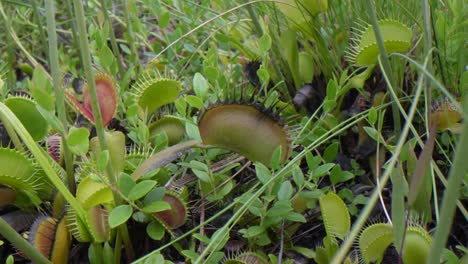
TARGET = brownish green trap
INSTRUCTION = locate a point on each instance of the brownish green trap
(247, 129)
(51, 238)
(176, 216)
(173, 127)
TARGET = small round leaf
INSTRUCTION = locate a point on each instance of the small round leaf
(120, 215)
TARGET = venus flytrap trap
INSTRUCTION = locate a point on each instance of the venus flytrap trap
(364, 51)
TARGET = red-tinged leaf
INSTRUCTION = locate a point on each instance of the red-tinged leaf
(422, 166)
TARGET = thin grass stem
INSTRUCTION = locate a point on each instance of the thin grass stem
(385, 63)
(59, 92)
(113, 41)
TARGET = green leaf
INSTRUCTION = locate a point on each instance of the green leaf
(44, 99)
(264, 42)
(330, 152)
(338, 175)
(253, 231)
(78, 141)
(125, 184)
(263, 74)
(263, 173)
(286, 191)
(297, 175)
(156, 194)
(181, 106)
(296, 217)
(156, 231)
(157, 206)
(201, 237)
(200, 85)
(192, 131)
(106, 57)
(120, 215)
(141, 189)
(164, 19)
(280, 209)
(211, 73)
(332, 88)
(276, 158)
(372, 117)
(322, 170)
(10, 260)
(108, 253)
(398, 206)
(102, 160)
(194, 101)
(422, 167)
(306, 252)
(373, 133)
(41, 89)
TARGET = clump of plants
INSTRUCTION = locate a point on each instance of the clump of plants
(216, 132)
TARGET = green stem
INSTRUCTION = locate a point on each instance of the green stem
(386, 64)
(131, 35)
(11, 81)
(13, 136)
(73, 26)
(254, 18)
(19, 242)
(113, 41)
(59, 93)
(86, 57)
(117, 248)
(428, 93)
(42, 37)
(451, 193)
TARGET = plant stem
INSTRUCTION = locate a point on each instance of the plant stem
(73, 26)
(131, 35)
(428, 93)
(42, 37)
(451, 193)
(86, 57)
(11, 59)
(13, 136)
(59, 93)
(386, 64)
(113, 41)
(254, 18)
(19, 242)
